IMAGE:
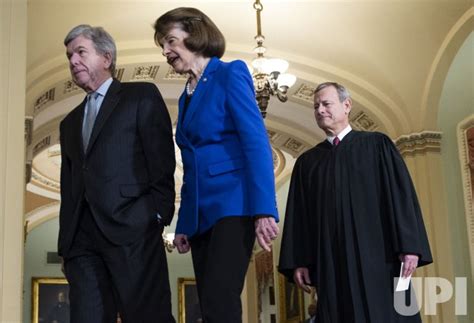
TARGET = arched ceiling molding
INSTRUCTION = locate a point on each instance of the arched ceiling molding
(47, 73)
(419, 142)
(288, 137)
(57, 110)
(41, 88)
(45, 136)
(293, 118)
(129, 52)
(47, 212)
(36, 217)
(37, 75)
(282, 137)
(284, 177)
(440, 67)
(296, 118)
(41, 215)
(48, 192)
(367, 104)
(45, 151)
(387, 109)
(373, 99)
(391, 126)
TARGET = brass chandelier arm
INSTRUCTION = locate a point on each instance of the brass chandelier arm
(258, 8)
(266, 77)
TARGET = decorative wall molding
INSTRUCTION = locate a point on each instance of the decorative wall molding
(279, 161)
(45, 136)
(466, 158)
(272, 135)
(172, 75)
(44, 181)
(44, 99)
(41, 215)
(28, 130)
(286, 142)
(157, 72)
(145, 73)
(42, 144)
(419, 142)
(46, 157)
(70, 86)
(119, 73)
(305, 92)
(28, 171)
(361, 121)
(294, 145)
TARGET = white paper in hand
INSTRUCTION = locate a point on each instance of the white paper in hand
(403, 283)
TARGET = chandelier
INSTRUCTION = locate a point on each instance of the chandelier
(268, 75)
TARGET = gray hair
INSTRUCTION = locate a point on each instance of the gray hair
(342, 92)
(103, 42)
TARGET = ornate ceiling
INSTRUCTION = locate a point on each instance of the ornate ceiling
(392, 55)
(50, 107)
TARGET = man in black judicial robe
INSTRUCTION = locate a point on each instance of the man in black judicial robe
(352, 217)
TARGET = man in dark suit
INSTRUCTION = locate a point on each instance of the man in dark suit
(117, 190)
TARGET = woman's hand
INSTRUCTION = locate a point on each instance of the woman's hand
(266, 230)
(181, 242)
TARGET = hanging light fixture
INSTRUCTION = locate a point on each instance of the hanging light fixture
(269, 75)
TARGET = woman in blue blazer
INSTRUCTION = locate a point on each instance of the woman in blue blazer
(228, 193)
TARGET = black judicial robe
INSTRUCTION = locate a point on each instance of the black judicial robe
(352, 209)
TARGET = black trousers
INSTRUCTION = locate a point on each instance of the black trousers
(220, 258)
(105, 278)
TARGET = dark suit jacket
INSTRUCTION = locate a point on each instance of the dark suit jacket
(126, 174)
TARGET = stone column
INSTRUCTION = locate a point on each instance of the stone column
(13, 21)
(422, 154)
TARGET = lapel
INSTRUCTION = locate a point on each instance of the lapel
(111, 100)
(349, 137)
(179, 128)
(201, 89)
(76, 130)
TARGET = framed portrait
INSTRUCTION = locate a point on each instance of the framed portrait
(50, 300)
(291, 301)
(189, 310)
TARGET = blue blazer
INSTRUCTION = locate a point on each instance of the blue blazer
(227, 158)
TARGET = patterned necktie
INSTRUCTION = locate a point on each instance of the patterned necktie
(336, 141)
(89, 118)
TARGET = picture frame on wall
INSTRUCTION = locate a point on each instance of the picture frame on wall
(189, 310)
(50, 300)
(291, 301)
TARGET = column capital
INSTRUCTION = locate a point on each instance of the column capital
(419, 142)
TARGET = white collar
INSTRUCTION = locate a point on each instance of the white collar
(340, 135)
(104, 87)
